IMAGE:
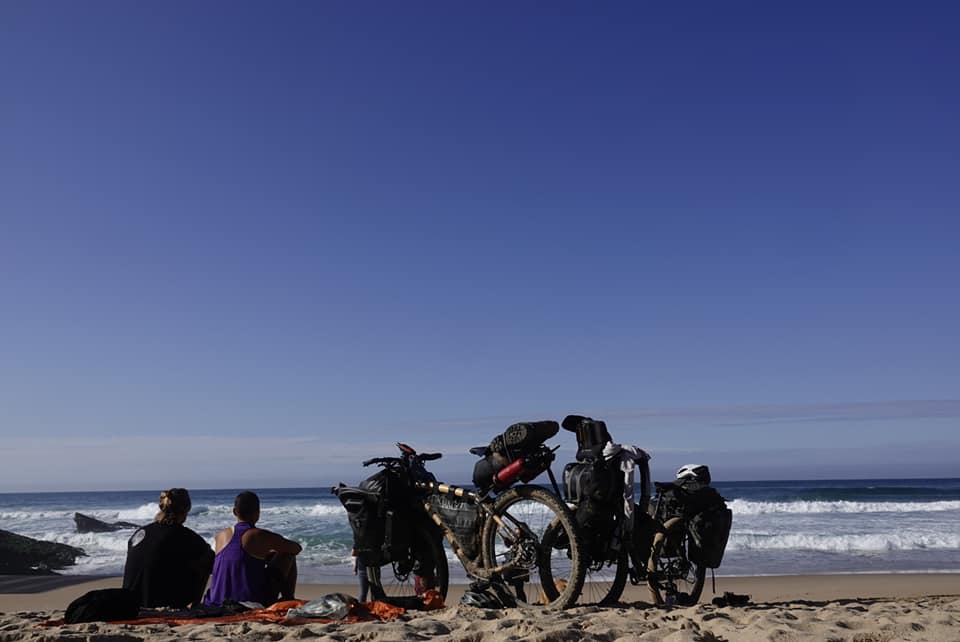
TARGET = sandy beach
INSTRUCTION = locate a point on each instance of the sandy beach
(861, 608)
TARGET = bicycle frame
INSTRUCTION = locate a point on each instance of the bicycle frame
(485, 504)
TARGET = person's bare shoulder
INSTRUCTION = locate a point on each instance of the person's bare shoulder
(222, 538)
(259, 542)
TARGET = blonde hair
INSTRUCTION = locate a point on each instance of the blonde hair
(174, 503)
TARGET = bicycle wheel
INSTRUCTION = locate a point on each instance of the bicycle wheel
(671, 576)
(605, 581)
(535, 532)
(425, 568)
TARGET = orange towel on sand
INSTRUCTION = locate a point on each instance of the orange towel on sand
(273, 614)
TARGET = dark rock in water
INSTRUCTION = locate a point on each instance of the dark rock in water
(21, 555)
(87, 524)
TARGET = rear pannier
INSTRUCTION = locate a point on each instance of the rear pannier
(709, 530)
(707, 516)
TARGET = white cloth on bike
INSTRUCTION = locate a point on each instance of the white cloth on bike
(627, 456)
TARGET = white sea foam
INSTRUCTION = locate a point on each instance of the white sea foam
(845, 543)
(25, 515)
(140, 514)
(92, 542)
(746, 507)
(315, 510)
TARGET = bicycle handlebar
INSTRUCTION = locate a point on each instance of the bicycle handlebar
(389, 461)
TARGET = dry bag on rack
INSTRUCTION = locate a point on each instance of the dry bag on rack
(520, 439)
(515, 442)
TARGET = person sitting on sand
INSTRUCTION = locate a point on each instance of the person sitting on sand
(252, 564)
(167, 563)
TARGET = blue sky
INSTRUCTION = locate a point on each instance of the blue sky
(251, 244)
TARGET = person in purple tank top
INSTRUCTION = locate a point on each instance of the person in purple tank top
(252, 564)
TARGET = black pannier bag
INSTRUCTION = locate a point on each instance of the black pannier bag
(461, 517)
(366, 522)
(395, 511)
(593, 482)
(592, 486)
(516, 441)
(380, 517)
(709, 530)
(697, 498)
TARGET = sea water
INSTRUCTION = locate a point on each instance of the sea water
(779, 527)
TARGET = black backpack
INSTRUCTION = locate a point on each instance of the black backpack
(103, 605)
(592, 483)
(594, 486)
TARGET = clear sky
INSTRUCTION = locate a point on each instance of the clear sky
(252, 244)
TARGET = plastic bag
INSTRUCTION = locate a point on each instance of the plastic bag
(332, 606)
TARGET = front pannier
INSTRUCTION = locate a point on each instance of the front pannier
(366, 522)
(395, 511)
(379, 517)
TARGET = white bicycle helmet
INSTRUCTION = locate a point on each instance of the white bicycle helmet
(694, 472)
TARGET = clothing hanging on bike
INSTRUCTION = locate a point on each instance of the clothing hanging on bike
(629, 459)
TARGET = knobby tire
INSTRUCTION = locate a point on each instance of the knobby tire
(545, 515)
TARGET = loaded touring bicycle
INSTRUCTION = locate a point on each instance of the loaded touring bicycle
(668, 541)
(510, 532)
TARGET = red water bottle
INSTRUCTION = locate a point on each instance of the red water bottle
(508, 474)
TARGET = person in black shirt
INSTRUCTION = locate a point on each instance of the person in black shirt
(167, 563)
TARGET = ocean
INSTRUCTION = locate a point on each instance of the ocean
(779, 527)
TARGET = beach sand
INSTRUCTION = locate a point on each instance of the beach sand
(856, 608)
